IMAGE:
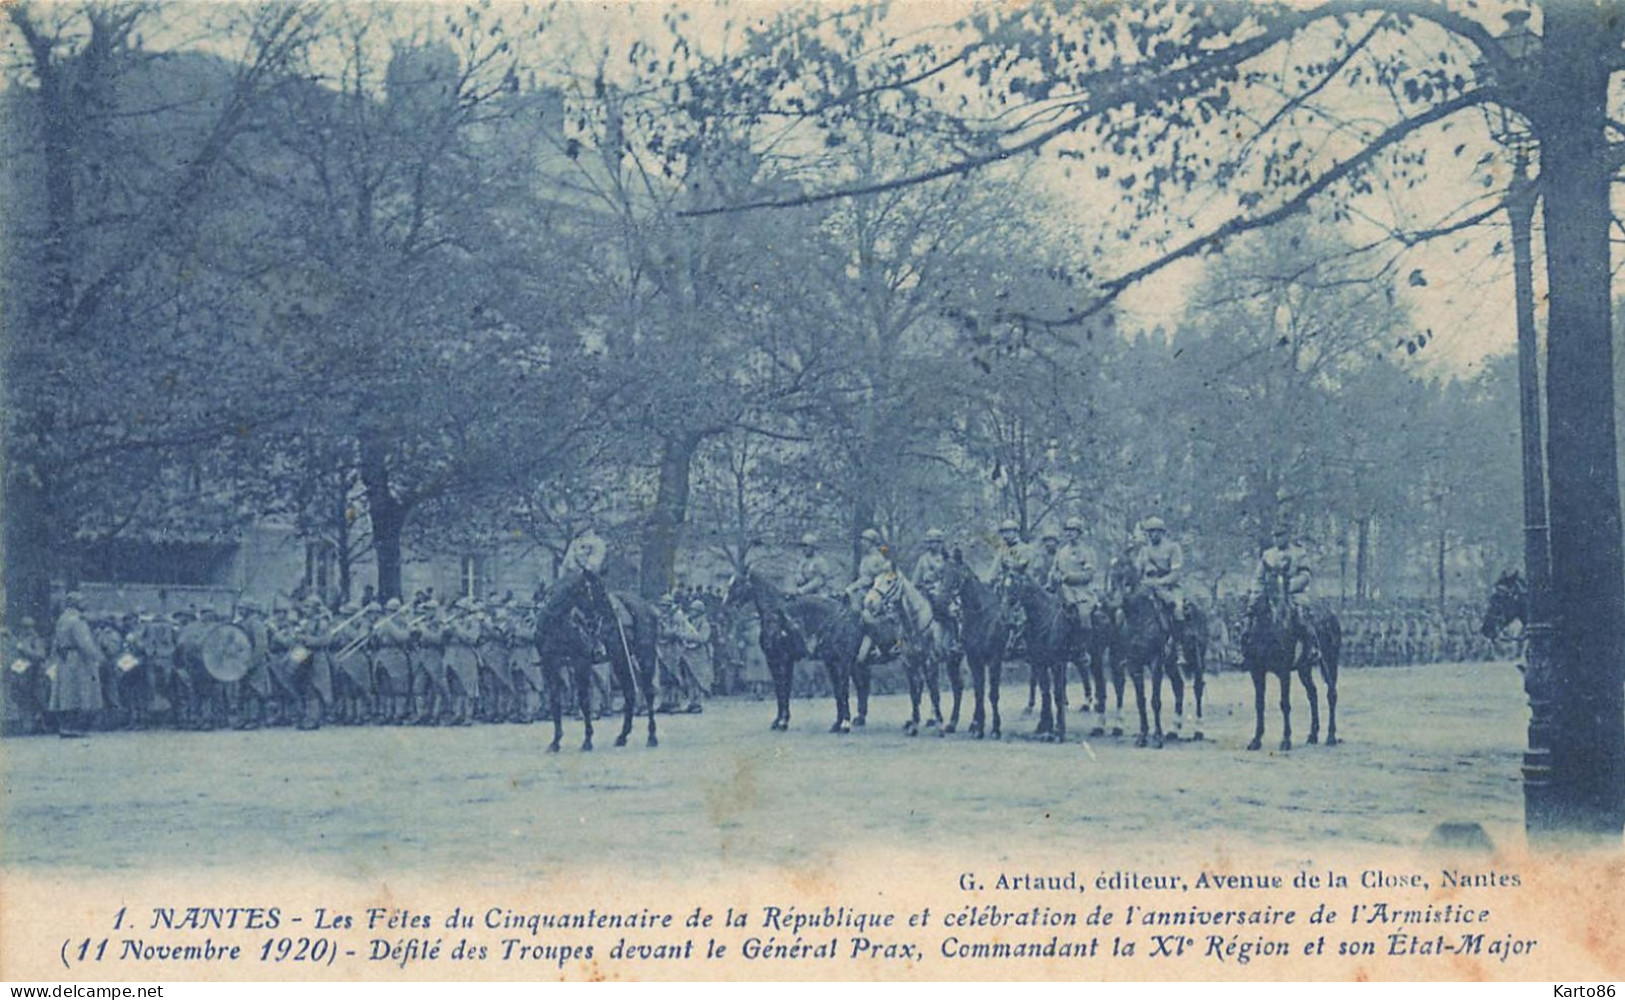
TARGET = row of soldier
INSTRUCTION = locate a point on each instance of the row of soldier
(417, 663)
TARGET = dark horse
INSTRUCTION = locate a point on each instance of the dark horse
(805, 628)
(579, 625)
(984, 634)
(1509, 603)
(1052, 637)
(1271, 646)
(1149, 639)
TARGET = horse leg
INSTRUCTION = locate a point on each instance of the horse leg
(1286, 709)
(1176, 680)
(584, 684)
(861, 678)
(978, 680)
(1159, 667)
(1032, 689)
(1058, 676)
(995, 673)
(1259, 675)
(1046, 717)
(956, 680)
(1198, 684)
(916, 683)
(1138, 673)
(648, 684)
(1306, 675)
(783, 671)
(1119, 682)
(1097, 670)
(839, 680)
(629, 700)
(555, 705)
(933, 685)
(1328, 673)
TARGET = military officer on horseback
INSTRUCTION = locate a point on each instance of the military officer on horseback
(1044, 560)
(1072, 574)
(813, 576)
(1015, 557)
(1160, 563)
(931, 577)
(1285, 565)
(874, 568)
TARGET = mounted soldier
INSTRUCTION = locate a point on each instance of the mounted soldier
(1160, 563)
(1044, 559)
(931, 575)
(813, 576)
(1072, 574)
(1285, 565)
(1015, 557)
(874, 570)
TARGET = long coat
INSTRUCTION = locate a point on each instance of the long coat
(78, 659)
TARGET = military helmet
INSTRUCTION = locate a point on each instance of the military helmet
(1051, 533)
(935, 535)
(696, 606)
(393, 604)
(871, 535)
(74, 600)
(1153, 524)
(809, 539)
(1074, 524)
(1009, 524)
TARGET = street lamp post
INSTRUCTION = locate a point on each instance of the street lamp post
(1538, 773)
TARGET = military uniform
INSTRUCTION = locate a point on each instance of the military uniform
(1160, 563)
(1072, 575)
(813, 575)
(76, 690)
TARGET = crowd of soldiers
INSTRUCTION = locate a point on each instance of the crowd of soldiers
(301, 664)
(424, 662)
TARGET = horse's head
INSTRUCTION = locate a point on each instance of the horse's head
(741, 588)
(1507, 604)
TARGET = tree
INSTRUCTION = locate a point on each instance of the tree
(1250, 106)
(112, 182)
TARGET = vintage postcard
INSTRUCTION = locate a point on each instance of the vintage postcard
(742, 490)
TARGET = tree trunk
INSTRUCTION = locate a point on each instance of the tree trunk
(664, 531)
(387, 514)
(1587, 677)
(29, 546)
(1362, 561)
(1439, 569)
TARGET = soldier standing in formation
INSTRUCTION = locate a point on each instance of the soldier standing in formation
(76, 691)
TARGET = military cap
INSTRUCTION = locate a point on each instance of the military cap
(1153, 524)
(935, 535)
(1074, 524)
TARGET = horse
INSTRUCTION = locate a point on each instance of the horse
(1270, 645)
(1052, 635)
(984, 635)
(924, 642)
(579, 624)
(1508, 606)
(805, 627)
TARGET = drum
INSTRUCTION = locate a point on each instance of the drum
(223, 650)
(299, 655)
